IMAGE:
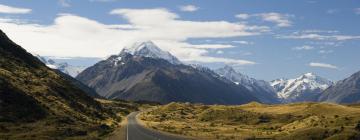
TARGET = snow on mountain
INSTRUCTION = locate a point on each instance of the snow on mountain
(307, 87)
(229, 73)
(149, 49)
(262, 89)
(143, 72)
(63, 67)
(279, 84)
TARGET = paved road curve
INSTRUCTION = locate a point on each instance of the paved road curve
(135, 131)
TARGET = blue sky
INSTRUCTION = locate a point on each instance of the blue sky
(263, 39)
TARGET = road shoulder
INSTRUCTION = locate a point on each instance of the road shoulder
(142, 124)
(120, 132)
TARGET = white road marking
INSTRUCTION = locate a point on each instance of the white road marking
(127, 131)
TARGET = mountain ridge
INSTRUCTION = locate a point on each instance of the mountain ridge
(135, 77)
(259, 88)
(307, 87)
(343, 91)
(64, 67)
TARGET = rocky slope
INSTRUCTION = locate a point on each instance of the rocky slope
(148, 73)
(344, 91)
(259, 88)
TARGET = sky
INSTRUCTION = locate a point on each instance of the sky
(264, 39)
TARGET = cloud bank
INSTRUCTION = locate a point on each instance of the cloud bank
(13, 10)
(75, 36)
(281, 20)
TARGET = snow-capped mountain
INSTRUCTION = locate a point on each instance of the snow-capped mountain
(71, 70)
(260, 88)
(149, 49)
(145, 72)
(307, 87)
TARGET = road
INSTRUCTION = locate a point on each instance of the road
(135, 131)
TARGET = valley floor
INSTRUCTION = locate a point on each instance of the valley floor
(254, 120)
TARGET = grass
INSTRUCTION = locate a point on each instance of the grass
(290, 121)
(57, 127)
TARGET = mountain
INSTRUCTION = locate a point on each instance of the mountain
(344, 91)
(149, 49)
(68, 72)
(307, 87)
(259, 88)
(38, 103)
(89, 91)
(145, 72)
(63, 67)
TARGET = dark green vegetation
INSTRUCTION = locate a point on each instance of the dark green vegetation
(38, 103)
(300, 121)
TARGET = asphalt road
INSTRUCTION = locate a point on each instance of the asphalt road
(134, 131)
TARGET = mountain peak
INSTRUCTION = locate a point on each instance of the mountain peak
(306, 86)
(309, 75)
(138, 46)
(229, 68)
(149, 49)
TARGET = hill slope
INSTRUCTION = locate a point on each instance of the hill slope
(300, 121)
(344, 91)
(38, 103)
(157, 76)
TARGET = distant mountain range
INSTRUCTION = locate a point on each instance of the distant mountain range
(307, 87)
(259, 88)
(145, 72)
(66, 68)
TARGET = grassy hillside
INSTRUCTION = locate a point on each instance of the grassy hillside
(38, 103)
(291, 121)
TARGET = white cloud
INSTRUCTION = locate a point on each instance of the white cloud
(322, 65)
(75, 36)
(189, 8)
(315, 36)
(243, 42)
(318, 31)
(13, 10)
(219, 52)
(243, 16)
(281, 20)
(332, 11)
(212, 46)
(320, 37)
(326, 51)
(305, 47)
(357, 11)
(64, 3)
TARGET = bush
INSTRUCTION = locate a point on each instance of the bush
(357, 127)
